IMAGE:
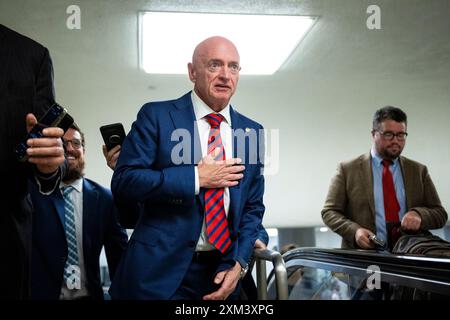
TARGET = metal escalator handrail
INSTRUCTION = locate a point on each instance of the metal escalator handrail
(279, 268)
(428, 273)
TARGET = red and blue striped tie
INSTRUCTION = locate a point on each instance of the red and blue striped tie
(216, 220)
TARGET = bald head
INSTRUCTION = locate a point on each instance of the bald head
(214, 70)
(203, 48)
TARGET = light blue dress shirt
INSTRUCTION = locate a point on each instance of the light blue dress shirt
(377, 172)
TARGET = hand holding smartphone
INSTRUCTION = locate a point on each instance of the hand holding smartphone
(113, 135)
(379, 243)
(56, 116)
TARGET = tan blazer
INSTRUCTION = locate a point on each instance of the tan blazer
(350, 200)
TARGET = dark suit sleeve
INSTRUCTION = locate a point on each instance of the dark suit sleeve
(432, 213)
(262, 234)
(333, 212)
(129, 214)
(251, 220)
(43, 99)
(115, 241)
(253, 211)
(45, 93)
(136, 180)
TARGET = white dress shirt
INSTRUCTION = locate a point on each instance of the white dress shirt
(77, 200)
(201, 110)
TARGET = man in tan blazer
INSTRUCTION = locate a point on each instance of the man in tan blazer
(355, 206)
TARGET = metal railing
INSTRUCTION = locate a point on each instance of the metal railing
(426, 273)
(279, 269)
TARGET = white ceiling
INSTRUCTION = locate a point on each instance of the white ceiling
(322, 99)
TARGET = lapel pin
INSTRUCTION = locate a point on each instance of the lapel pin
(247, 129)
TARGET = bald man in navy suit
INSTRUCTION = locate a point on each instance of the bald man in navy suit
(200, 216)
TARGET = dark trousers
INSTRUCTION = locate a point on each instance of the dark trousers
(248, 285)
(199, 279)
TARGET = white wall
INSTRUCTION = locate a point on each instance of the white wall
(322, 100)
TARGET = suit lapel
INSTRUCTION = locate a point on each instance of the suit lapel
(237, 124)
(406, 172)
(367, 180)
(58, 203)
(235, 195)
(183, 117)
(90, 203)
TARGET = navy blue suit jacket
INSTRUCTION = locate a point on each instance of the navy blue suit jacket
(164, 240)
(49, 250)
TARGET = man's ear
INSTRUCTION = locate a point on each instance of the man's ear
(191, 72)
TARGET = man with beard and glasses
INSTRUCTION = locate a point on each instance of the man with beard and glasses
(382, 192)
(70, 227)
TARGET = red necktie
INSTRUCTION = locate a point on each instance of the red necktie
(391, 205)
(216, 220)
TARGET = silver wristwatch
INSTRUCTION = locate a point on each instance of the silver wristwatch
(243, 272)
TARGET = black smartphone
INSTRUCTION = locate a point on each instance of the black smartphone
(113, 135)
(379, 243)
(56, 116)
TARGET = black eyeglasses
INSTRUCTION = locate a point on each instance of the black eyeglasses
(76, 143)
(389, 135)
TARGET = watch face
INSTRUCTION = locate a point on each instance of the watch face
(243, 272)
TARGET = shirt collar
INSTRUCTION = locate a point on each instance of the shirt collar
(77, 185)
(377, 159)
(201, 109)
